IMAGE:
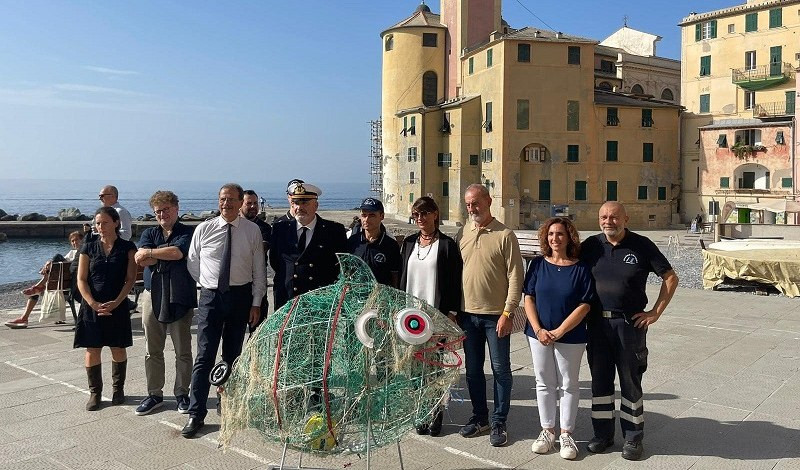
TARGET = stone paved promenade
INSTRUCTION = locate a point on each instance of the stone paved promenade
(722, 391)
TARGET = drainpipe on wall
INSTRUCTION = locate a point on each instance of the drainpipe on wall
(794, 170)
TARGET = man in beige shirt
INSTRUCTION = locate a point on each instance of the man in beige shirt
(492, 286)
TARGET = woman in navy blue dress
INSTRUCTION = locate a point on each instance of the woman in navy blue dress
(106, 273)
(558, 289)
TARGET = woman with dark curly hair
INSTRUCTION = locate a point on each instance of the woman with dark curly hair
(558, 289)
(106, 273)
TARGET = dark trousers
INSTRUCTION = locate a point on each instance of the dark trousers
(219, 317)
(616, 346)
(480, 330)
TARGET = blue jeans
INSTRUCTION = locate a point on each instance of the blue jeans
(482, 329)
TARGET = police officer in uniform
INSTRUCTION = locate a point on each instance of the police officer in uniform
(377, 248)
(621, 260)
(303, 250)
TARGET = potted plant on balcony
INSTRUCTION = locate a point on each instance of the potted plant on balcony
(745, 151)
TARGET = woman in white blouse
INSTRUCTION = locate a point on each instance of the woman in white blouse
(432, 268)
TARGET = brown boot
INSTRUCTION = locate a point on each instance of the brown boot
(118, 372)
(95, 375)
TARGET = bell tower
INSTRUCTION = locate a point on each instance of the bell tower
(469, 23)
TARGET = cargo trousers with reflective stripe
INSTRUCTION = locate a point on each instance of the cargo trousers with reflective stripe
(616, 346)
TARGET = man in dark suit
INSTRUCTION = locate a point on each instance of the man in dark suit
(250, 210)
(303, 250)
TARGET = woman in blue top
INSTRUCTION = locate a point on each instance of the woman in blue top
(558, 289)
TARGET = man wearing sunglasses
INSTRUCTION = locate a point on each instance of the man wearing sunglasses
(108, 198)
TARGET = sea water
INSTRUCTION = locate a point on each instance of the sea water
(21, 259)
(49, 196)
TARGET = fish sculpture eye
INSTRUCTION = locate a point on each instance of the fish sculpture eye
(413, 326)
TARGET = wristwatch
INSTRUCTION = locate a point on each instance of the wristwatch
(509, 315)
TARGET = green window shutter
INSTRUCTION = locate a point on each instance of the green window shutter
(786, 182)
(705, 65)
(440, 159)
(574, 55)
(611, 150)
(488, 58)
(573, 153)
(713, 33)
(405, 124)
(642, 193)
(725, 182)
(544, 190)
(705, 103)
(580, 190)
(775, 61)
(523, 52)
(411, 197)
(471, 65)
(698, 32)
(790, 102)
(413, 129)
(662, 193)
(647, 152)
(523, 114)
(776, 18)
(445, 189)
(573, 116)
(751, 22)
(611, 190)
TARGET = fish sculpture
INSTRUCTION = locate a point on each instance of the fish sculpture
(343, 368)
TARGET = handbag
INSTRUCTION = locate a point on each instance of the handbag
(54, 305)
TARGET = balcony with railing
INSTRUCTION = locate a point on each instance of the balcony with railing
(762, 76)
(776, 109)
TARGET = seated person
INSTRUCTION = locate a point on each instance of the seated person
(33, 291)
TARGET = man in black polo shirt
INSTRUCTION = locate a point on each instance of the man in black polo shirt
(376, 247)
(621, 260)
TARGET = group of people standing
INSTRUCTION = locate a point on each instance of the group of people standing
(579, 296)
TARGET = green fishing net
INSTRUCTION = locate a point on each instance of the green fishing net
(308, 378)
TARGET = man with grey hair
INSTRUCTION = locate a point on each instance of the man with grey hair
(109, 196)
(492, 287)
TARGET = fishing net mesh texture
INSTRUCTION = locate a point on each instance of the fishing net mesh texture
(305, 378)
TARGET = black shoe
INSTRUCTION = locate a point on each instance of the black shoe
(422, 429)
(474, 427)
(436, 425)
(498, 437)
(598, 445)
(632, 450)
(192, 427)
(183, 404)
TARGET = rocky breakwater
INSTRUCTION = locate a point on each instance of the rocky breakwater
(71, 214)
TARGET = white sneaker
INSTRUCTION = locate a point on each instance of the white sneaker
(568, 448)
(544, 443)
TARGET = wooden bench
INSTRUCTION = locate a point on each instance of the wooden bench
(529, 246)
(60, 276)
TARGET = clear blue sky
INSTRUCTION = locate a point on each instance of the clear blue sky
(203, 90)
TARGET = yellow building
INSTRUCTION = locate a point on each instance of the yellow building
(468, 99)
(738, 90)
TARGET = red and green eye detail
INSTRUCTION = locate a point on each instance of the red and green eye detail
(413, 326)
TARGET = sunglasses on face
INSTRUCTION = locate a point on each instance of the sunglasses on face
(417, 215)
